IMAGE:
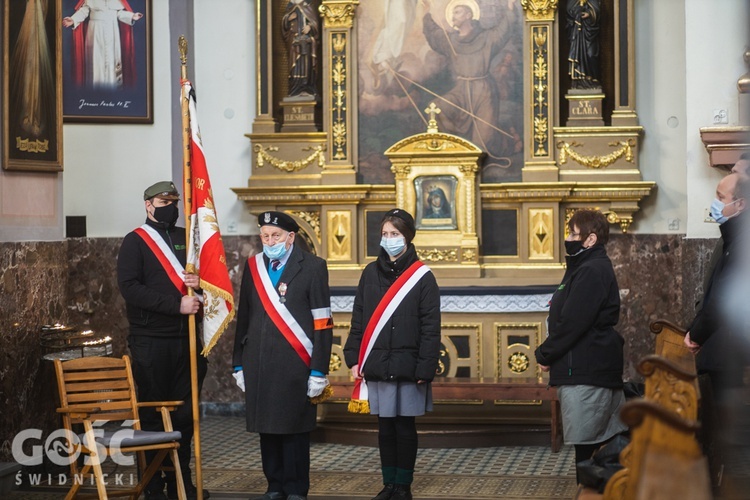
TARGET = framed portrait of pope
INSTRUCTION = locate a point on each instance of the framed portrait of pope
(106, 57)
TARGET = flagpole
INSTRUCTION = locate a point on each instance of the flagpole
(187, 194)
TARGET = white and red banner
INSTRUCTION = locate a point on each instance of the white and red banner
(382, 314)
(205, 251)
(278, 312)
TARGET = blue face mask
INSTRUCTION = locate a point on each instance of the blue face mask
(393, 246)
(276, 251)
(717, 209)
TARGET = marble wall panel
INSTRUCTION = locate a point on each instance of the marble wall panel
(33, 279)
(649, 273)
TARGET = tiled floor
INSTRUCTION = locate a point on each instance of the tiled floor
(231, 469)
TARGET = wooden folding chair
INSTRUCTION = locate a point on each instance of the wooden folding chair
(101, 389)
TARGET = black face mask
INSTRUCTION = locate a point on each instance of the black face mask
(574, 247)
(167, 215)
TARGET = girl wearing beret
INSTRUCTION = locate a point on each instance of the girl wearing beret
(393, 348)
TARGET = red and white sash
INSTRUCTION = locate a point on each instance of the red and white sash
(165, 255)
(278, 312)
(383, 313)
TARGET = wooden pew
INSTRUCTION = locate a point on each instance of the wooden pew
(670, 345)
(665, 459)
(674, 392)
(464, 388)
(663, 426)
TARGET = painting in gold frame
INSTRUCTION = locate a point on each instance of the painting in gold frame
(436, 201)
(32, 92)
(107, 82)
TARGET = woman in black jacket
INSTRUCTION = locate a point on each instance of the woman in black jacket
(396, 348)
(583, 352)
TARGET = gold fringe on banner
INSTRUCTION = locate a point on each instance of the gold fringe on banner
(359, 406)
(323, 396)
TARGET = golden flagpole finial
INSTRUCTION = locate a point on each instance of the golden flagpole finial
(182, 44)
(183, 48)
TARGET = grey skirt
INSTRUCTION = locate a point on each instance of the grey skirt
(403, 399)
(590, 414)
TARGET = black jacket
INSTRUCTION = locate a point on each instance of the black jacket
(151, 299)
(408, 347)
(719, 348)
(275, 375)
(583, 347)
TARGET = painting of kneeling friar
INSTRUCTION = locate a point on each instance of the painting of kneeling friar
(436, 206)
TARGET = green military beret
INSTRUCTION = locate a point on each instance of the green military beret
(163, 189)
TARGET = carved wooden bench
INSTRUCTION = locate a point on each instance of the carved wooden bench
(508, 389)
(663, 457)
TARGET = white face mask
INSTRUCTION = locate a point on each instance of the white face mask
(393, 246)
(717, 210)
(276, 251)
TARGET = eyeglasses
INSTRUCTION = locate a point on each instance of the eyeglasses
(273, 237)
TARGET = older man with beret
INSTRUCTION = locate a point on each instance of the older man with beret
(282, 349)
(152, 280)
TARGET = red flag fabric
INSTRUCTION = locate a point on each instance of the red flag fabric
(205, 247)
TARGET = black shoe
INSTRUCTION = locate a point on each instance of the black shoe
(296, 497)
(271, 495)
(156, 495)
(401, 492)
(386, 492)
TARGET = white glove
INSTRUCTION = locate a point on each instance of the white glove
(316, 385)
(239, 377)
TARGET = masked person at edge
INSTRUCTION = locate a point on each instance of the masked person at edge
(719, 348)
(707, 335)
(583, 352)
(152, 280)
(282, 350)
(394, 344)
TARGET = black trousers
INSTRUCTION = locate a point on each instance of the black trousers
(161, 369)
(286, 462)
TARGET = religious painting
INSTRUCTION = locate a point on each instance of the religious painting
(436, 202)
(106, 46)
(466, 56)
(32, 113)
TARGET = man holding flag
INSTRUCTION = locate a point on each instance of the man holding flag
(152, 279)
(160, 267)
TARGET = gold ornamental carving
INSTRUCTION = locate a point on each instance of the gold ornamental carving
(515, 344)
(339, 224)
(624, 221)
(339, 95)
(338, 13)
(593, 161)
(312, 218)
(539, 10)
(469, 255)
(401, 171)
(518, 362)
(262, 157)
(335, 363)
(541, 234)
(540, 75)
(436, 255)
